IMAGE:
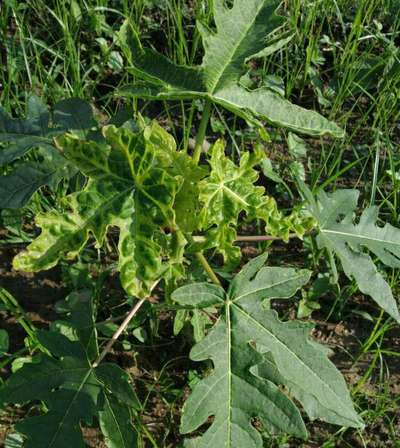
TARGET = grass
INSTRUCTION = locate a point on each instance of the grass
(343, 59)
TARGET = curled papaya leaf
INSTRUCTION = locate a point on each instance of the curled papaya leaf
(130, 187)
(231, 189)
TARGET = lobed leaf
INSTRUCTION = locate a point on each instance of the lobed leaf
(21, 135)
(241, 34)
(254, 353)
(230, 190)
(132, 185)
(348, 241)
(73, 391)
(18, 187)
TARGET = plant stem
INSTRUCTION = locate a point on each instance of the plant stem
(200, 137)
(202, 131)
(256, 238)
(117, 334)
(204, 263)
(207, 268)
(251, 238)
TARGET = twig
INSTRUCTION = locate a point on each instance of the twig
(256, 238)
(117, 334)
(250, 238)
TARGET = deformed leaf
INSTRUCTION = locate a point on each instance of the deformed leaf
(241, 388)
(130, 187)
(229, 190)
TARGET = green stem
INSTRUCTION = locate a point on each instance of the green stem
(204, 263)
(202, 131)
(206, 266)
(196, 157)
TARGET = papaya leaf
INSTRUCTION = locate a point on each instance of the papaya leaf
(187, 198)
(349, 240)
(241, 389)
(23, 134)
(73, 114)
(129, 187)
(73, 391)
(40, 126)
(229, 190)
(17, 188)
(115, 423)
(37, 130)
(79, 322)
(241, 34)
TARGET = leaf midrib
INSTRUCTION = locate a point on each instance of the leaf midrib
(286, 280)
(361, 237)
(122, 438)
(74, 398)
(214, 89)
(285, 347)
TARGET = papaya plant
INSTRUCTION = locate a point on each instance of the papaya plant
(169, 210)
(165, 207)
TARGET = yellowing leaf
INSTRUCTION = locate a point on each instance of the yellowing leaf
(129, 187)
(230, 190)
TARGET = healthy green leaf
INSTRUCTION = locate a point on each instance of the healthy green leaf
(199, 295)
(240, 35)
(241, 388)
(39, 127)
(72, 390)
(37, 130)
(17, 188)
(348, 241)
(73, 114)
(115, 423)
(79, 323)
(36, 124)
